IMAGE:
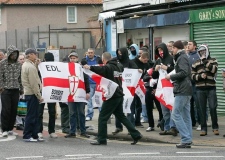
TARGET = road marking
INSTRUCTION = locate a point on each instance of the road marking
(72, 158)
(25, 157)
(123, 154)
(9, 138)
(125, 157)
(80, 155)
(194, 152)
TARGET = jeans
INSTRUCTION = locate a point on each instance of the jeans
(144, 113)
(168, 120)
(90, 110)
(75, 107)
(182, 118)
(51, 120)
(31, 120)
(9, 98)
(64, 117)
(210, 96)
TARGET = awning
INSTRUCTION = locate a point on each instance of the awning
(106, 15)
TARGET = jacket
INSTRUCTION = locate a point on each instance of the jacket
(209, 66)
(124, 59)
(141, 65)
(10, 73)
(131, 56)
(166, 59)
(182, 78)
(112, 71)
(30, 79)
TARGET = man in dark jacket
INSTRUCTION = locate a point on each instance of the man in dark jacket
(165, 61)
(10, 89)
(112, 71)
(123, 57)
(182, 92)
(204, 74)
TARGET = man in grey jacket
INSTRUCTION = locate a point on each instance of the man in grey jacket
(182, 92)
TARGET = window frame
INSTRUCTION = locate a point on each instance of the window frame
(67, 14)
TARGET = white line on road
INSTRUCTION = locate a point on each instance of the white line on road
(125, 157)
(138, 153)
(25, 157)
(194, 152)
(80, 155)
(72, 158)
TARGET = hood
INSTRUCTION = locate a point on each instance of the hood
(131, 56)
(164, 48)
(10, 50)
(124, 56)
(204, 47)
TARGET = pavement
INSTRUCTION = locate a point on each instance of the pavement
(153, 136)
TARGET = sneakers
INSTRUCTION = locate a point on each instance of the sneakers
(88, 119)
(12, 133)
(149, 129)
(40, 135)
(139, 125)
(30, 140)
(203, 133)
(216, 132)
(71, 135)
(117, 130)
(198, 128)
(85, 135)
(184, 145)
(40, 139)
(5, 134)
(53, 135)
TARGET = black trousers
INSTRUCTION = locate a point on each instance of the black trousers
(109, 107)
(149, 99)
(51, 120)
(137, 105)
(10, 99)
(65, 119)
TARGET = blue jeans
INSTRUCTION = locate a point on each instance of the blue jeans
(166, 116)
(75, 107)
(144, 113)
(182, 118)
(90, 110)
(204, 96)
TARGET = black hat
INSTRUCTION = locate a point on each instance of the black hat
(178, 44)
(30, 50)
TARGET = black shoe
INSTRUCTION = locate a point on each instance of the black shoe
(19, 127)
(173, 131)
(184, 145)
(98, 143)
(71, 135)
(85, 135)
(139, 125)
(162, 133)
(136, 139)
(117, 130)
(161, 125)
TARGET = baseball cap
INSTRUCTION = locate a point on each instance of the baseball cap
(30, 50)
(73, 54)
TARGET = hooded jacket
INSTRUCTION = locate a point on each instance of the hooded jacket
(124, 59)
(206, 65)
(131, 56)
(10, 73)
(166, 59)
(182, 77)
(141, 65)
(112, 71)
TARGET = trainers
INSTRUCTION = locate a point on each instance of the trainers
(30, 140)
(5, 134)
(139, 125)
(216, 132)
(184, 145)
(88, 119)
(53, 135)
(117, 130)
(149, 129)
(71, 135)
(12, 133)
(40, 139)
(40, 135)
(198, 128)
(85, 135)
(203, 133)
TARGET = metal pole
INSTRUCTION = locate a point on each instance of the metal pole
(6, 39)
(28, 38)
(150, 37)
(16, 37)
(49, 39)
(38, 38)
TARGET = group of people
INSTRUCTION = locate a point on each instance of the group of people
(193, 80)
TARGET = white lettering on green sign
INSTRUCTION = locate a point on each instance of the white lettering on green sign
(211, 15)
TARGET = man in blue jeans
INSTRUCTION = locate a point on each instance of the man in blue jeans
(182, 91)
(79, 107)
(91, 59)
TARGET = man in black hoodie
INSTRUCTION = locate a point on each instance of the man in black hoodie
(112, 71)
(123, 58)
(165, 61)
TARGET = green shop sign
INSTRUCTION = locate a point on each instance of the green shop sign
(210, 14)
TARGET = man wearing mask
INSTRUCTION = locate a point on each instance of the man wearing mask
(134, 51)
(165, 62)
(10, 89)
(203, 74)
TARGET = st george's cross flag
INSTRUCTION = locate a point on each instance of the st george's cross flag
(62, 82)
(140, 91)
